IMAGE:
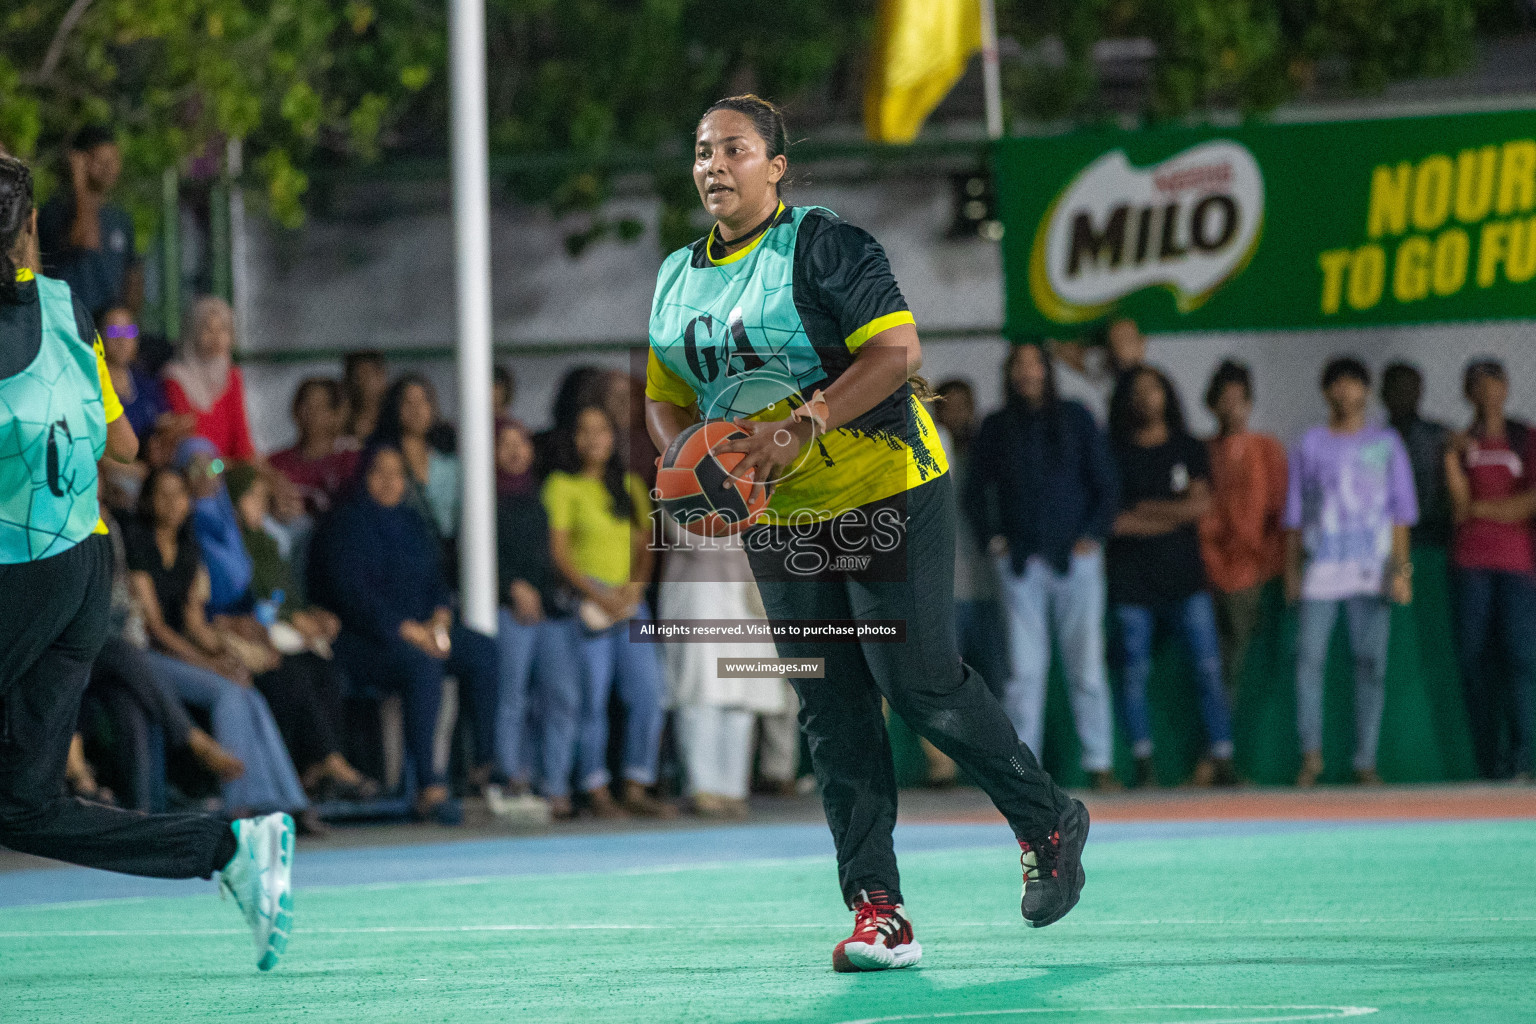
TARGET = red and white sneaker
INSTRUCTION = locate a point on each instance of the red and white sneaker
(881, 939)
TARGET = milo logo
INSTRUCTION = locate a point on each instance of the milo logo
(1188, 224)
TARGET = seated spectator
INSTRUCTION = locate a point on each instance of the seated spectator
(503, 391)
(377, 566)
(364, 379)
(1491, 473)
(203, 381)
(127, 677)
(406, 419)
(1042, 497)
(304, 690)
(215, 527)
(170, 587)
(317, 463)
(540, 686)
(1402, 389)
(1240, 537)
(599, 519)
(142, 396)
(1348, 507)
(580, 387)
(1155, 571)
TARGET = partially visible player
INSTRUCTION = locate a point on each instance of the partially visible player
(58, 416)
(788, 321)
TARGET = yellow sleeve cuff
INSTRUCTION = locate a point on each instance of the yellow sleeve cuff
(109, 400)
(880, 323)
(662, 385)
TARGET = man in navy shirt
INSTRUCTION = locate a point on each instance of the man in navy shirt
(86, 240)
(1042, 495)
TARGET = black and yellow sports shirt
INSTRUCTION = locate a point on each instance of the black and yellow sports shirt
(756, 333)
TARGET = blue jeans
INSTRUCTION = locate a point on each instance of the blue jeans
(243, 724)
(1496, 650)
(1042, 603)
(1195, 619)
(1370, 624)
(608, 659)
(540, 702)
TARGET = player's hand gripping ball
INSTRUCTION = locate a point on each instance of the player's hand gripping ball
(700, 489)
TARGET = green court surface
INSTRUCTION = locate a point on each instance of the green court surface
(1399, 922)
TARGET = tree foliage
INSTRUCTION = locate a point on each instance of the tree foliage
(314, 84)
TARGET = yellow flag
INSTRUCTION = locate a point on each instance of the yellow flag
(921, 49)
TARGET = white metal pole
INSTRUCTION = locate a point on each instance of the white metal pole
(472, 275)
(991, 78)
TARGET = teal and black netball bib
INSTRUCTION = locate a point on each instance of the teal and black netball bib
(730, 329)
(53, 429)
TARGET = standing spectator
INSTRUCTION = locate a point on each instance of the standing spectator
(318, 464)
(599, 519)
(1402, 389)
(978, 610)
(86, 239)
(1091, 369)
(709, 578)
(204, 382)
(1155, 571)
(1491, 474)
(170, 587)
(1043, 465)
(406, 419)
(377, 566)
(1348, 508)
(1240, 537)
(539, 682)
(364, 379)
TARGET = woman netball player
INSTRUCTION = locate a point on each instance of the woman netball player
(788, 321)
(58, 416)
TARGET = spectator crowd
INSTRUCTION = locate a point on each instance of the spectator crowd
(286, 636)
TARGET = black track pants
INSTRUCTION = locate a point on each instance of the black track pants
(942, 698)
(53, 620)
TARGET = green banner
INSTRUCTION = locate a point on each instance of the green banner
(1353, 223)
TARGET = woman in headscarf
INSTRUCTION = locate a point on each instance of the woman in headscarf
(376, 564)
(216, 526)
(204, 382)
(303, 690)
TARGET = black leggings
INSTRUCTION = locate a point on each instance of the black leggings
(305, 695)
(53, 619)
(937, 694)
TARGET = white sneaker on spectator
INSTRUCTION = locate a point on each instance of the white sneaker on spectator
(259, 877)
(523, 809)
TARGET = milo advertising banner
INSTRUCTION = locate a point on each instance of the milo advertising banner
(1272, 226)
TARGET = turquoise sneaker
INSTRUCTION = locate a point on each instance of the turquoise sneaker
(259, 877)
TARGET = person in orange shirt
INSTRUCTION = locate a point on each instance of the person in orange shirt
(1240, 537)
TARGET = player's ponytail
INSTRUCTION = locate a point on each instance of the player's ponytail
(15, 212)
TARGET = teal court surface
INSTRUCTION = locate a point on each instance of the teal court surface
(1412, 910)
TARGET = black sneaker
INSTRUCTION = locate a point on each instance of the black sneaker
(1053, 869)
